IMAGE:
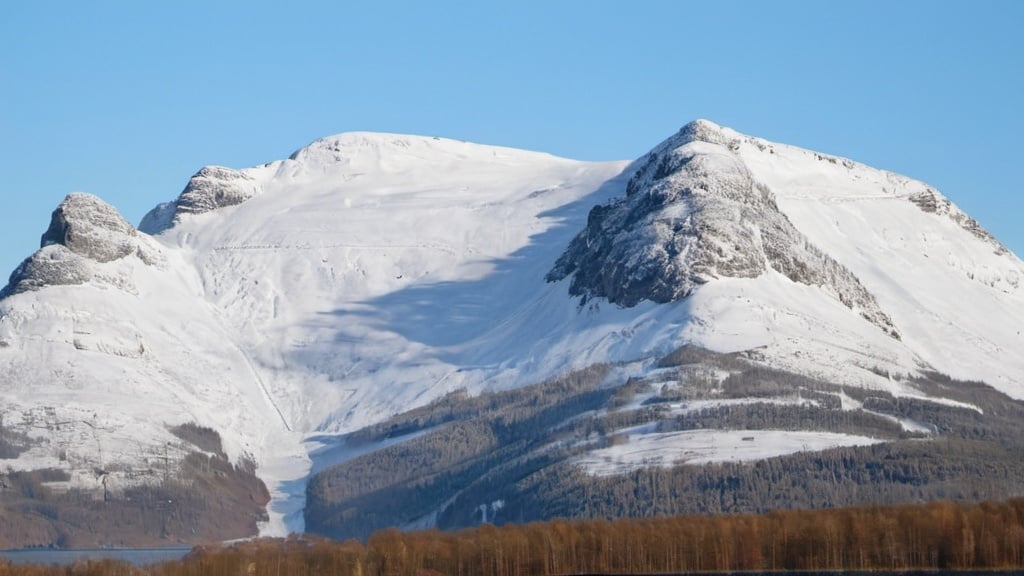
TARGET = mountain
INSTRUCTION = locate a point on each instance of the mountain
(402, 330)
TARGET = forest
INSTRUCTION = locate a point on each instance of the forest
(938, 535)
(206, 497)
(458, 457)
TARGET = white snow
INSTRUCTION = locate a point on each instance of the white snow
(373, 273)
(956, 299)
(668, 449)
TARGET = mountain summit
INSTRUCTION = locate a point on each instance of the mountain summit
(693, 212)
(325, 323)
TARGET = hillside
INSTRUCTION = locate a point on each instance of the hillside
(717, 315)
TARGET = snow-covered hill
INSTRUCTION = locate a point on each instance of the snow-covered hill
(372, 273)
(780, 240)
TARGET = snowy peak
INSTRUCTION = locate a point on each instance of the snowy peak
(211, 188)
(699, 130)
(331, 163)
(215, 187)
(384, 152)
(693, 212)
(90, 228)
(86, 240)
(350, 146)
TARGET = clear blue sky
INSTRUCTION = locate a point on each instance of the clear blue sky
(127, 99)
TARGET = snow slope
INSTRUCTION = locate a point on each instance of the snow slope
(954, 291)
(366, 274)
(709, 446)
(371, 273)
(706, 205)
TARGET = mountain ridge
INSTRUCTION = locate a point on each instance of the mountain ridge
(290, 305)
(698, 248)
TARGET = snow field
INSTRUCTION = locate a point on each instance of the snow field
(667, 449)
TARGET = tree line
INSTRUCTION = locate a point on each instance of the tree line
(519, 447)
(938, 535)
(204, 496)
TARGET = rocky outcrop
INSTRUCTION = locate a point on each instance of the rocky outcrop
(49, 266)
(932, 202)
(90, 228)
(84, 231)
(215, 187)
(211, 188)
(693, 213)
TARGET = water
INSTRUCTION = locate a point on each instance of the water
(136, 556)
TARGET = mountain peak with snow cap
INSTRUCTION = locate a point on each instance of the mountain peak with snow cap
(705, 131)
(382, 151)
(693, 213)
(700, 130)
(86, 237)
(347, 146)
(91, 228)
(211, 188)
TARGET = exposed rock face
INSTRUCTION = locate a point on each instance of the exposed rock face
(211, 188)
(50, 266)
(934, 203)
(84, 231)
(692, 213)
(215, 187)
(90, 228)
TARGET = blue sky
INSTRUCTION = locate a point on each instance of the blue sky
(127, 99)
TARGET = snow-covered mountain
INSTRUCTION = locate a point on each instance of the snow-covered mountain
(286, 305)
(754, 224)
